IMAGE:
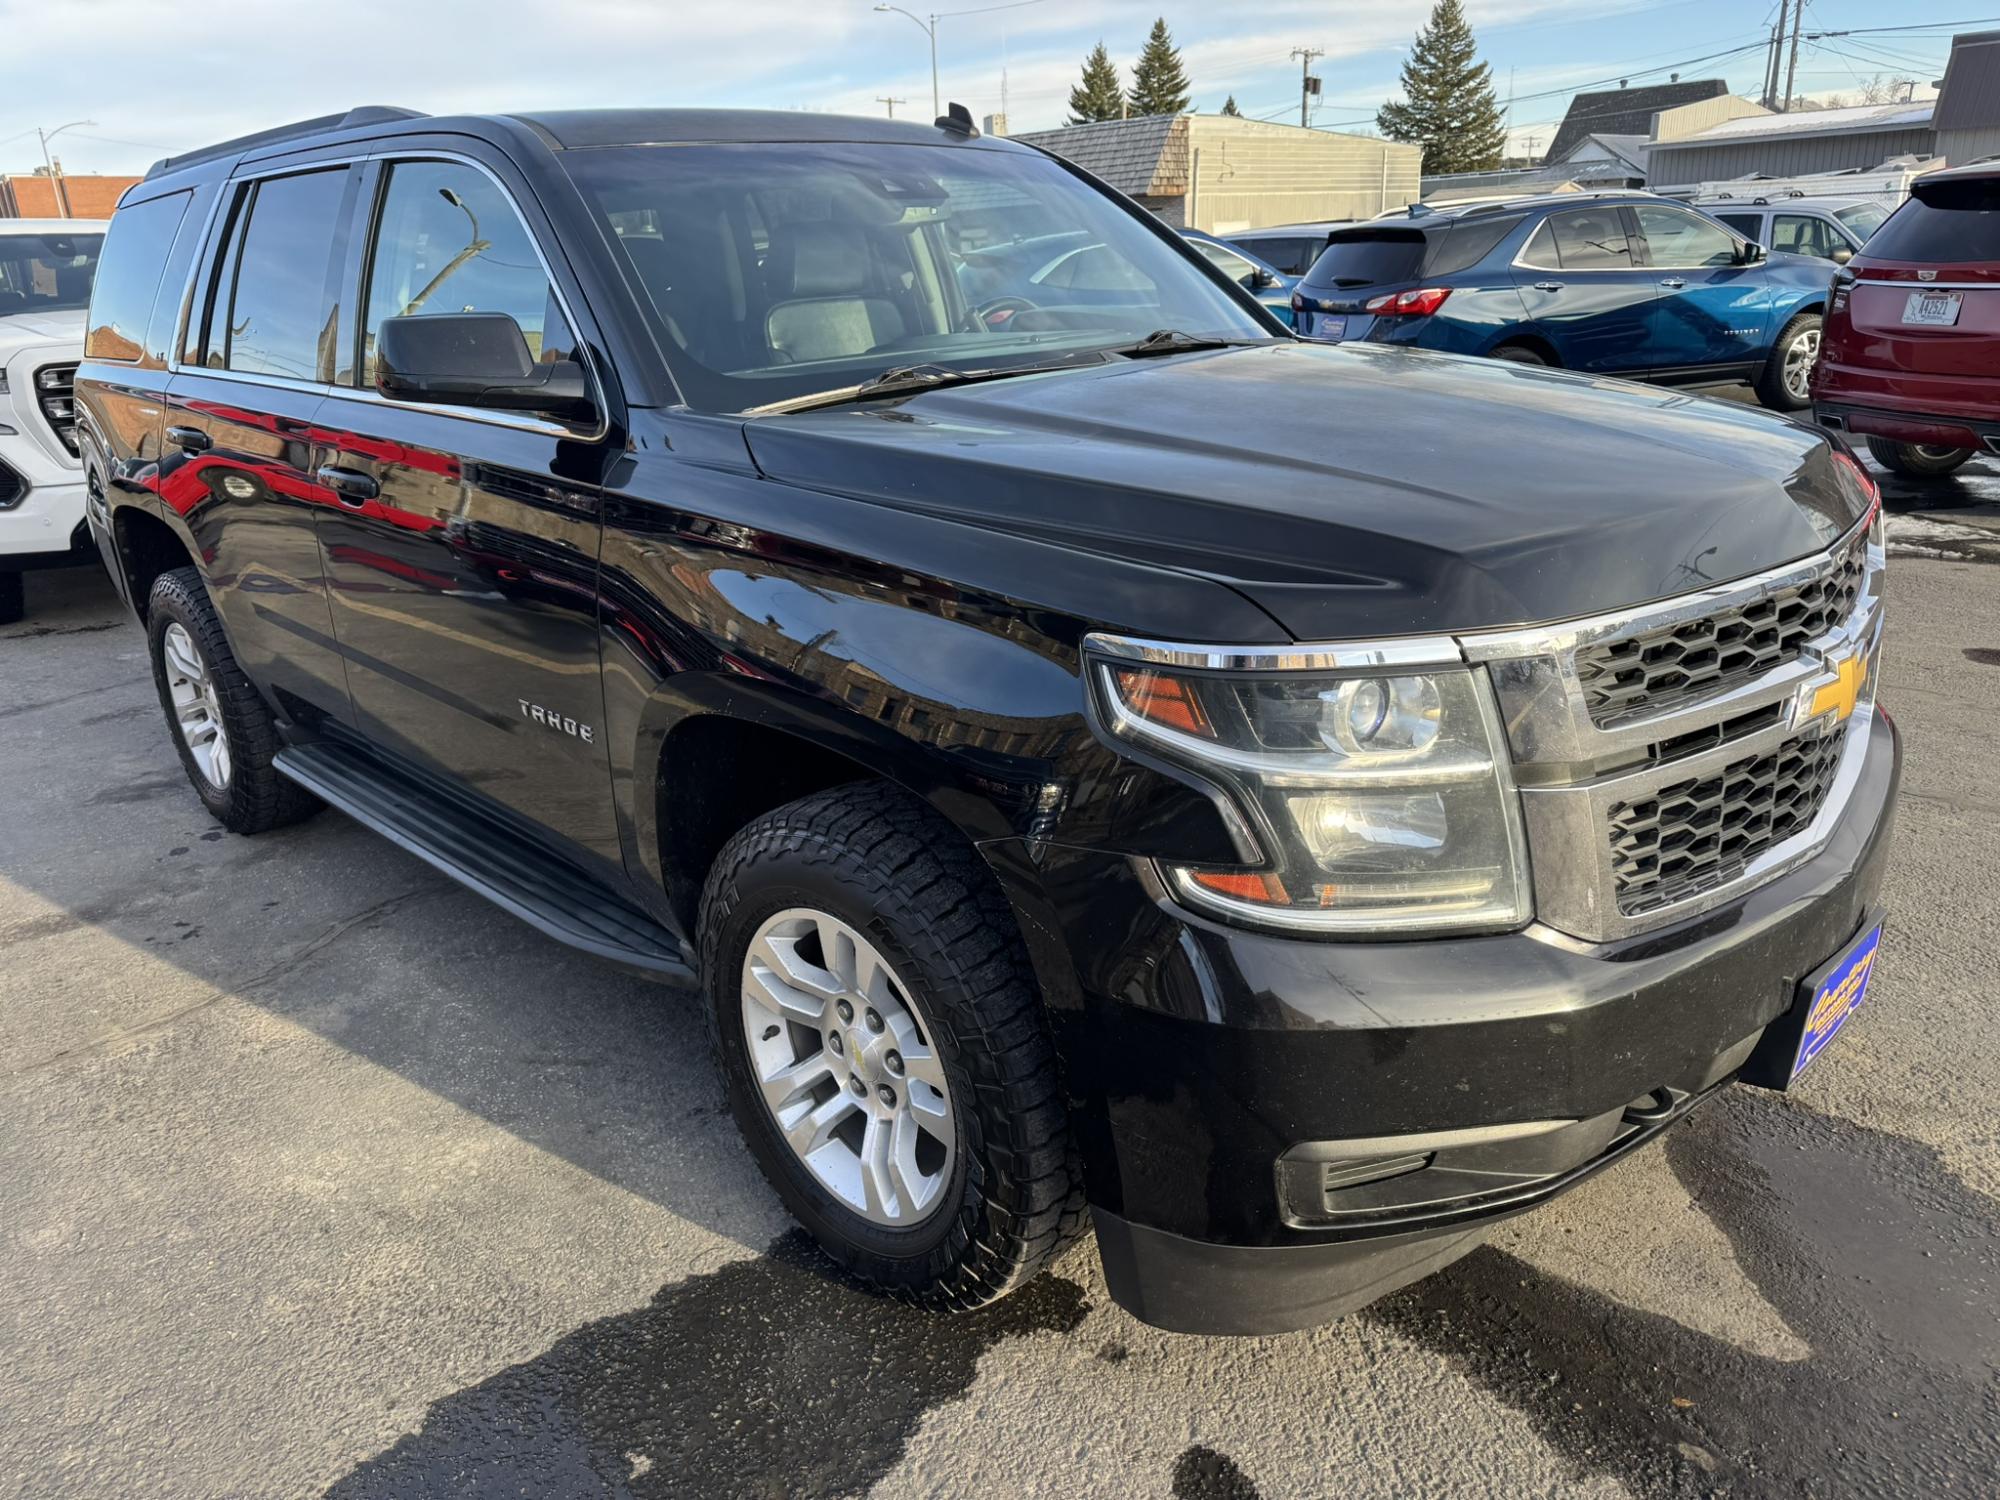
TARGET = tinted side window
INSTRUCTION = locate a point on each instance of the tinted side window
(449, 241)
(1750, 226)
(1469, 243)
(128, 276)
(1228, 262)
(46, 272)
(1675, 237)
(280, 307)
(1591, 239)
(1958, 221)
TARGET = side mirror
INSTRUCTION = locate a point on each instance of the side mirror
(1261, 278)
(1751, 254)
(1842, 255)
(475, 359)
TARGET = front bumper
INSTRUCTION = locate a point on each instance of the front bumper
(42, 527)
(1235, 1089)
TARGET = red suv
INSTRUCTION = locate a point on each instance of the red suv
(1911, 360)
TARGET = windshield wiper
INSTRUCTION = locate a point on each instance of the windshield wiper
(913, 378)
(1173, 341)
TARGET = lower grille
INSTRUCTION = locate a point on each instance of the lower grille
(1691, 836)
(12, 488)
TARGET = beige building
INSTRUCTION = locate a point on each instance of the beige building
(1222, 173)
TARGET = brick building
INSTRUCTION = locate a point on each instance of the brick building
(34, 196)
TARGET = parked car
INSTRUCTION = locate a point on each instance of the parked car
(1912, 358)
(1263, 281)
(1288, 249)
(46, 266)
(1832, 229)
(1621, 284)
(1280, 805)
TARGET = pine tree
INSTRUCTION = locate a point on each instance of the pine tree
(1229, 107)
(1098, 96)
(1159, 84)
(1448, 105)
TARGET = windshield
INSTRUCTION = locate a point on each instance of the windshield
(46, 272)
(1862, 220)
(774, 272)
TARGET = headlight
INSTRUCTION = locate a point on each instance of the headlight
(1373, 798)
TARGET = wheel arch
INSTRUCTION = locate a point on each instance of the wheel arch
(147, 546)
(1514, 338)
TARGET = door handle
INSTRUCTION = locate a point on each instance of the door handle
(349, 486)
(190, 439)
(1548, 286)
(1674, 283)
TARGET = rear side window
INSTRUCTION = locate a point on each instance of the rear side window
(1589, 240)
(1370, 257)
(449, 241)
(1955, 221)
(1750, 226)
(128, 276)
(1292, 256)
(274, 310)
(1469, 242)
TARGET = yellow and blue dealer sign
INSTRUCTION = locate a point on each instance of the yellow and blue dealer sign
(1836, 997)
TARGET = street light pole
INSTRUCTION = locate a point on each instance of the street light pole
(49, 165)
(930, 30)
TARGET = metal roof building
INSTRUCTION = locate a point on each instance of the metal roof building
(1968, 107)
(1222, 173)
(1626, 112)
(1795, 144)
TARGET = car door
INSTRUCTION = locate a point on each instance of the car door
(237, 455)
(1584, 290)
(1712, 310)
(462, 551)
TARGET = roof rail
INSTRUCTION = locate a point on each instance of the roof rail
(366, 114)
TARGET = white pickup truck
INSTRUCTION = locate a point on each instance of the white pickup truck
(46, 270)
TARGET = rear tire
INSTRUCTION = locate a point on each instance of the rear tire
(1002, 1190)
(13, 599)
(225, 735)
(1518, 354)
(1785, 384)
(1917, 460)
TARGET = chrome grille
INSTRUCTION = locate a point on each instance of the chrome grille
(1670, 756)
(1655, 670)
(1695, 834)
(55, 394)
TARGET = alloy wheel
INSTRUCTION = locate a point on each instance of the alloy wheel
(848, 1067)
(1800, 357)
(197, 710)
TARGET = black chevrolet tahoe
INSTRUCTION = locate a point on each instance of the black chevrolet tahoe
(1101, 761)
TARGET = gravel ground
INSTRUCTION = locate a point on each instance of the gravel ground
(318, 1173)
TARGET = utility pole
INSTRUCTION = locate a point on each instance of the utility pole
(1775, 55)
(1308, 85)
(892, 103)
(930, 30)
(56, 189)
(1792, 68)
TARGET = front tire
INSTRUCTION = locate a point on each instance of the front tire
(1785, 383)
(225, 735)
(884, 1048)
(1917, 460)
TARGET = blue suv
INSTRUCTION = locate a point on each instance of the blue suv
(1622, 284)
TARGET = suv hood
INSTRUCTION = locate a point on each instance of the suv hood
(1350, 490)
(22, 329)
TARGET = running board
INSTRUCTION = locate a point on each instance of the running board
(482, 852)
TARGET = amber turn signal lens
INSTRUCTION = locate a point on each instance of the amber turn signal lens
(1264, 889)
(1164, 700)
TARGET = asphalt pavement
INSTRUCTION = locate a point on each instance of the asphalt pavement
(319, 1174)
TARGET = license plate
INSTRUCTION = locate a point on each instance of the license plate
(1822, 1006)
(1938, 309)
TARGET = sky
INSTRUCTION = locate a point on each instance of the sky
(177, 82)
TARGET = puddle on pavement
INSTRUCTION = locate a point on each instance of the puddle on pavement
(1884, 1262)
(768, 1378)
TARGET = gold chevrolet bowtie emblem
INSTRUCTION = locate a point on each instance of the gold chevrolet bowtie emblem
(1839, 696)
